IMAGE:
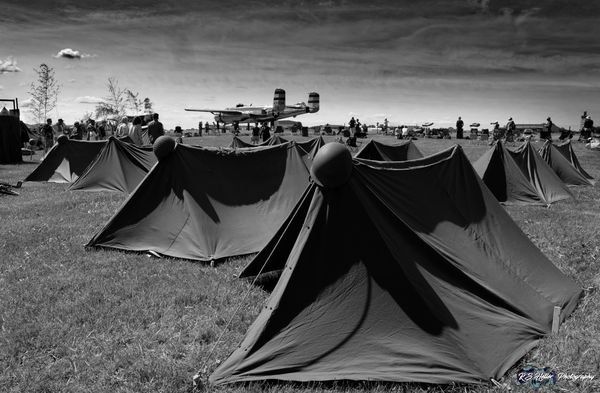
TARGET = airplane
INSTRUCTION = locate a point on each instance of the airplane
(256, 114)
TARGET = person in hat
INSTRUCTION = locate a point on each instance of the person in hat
(511, 128)
(546, 133)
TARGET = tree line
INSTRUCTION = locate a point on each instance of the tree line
(118, 102)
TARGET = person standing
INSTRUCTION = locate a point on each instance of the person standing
(510, 130)
(265, 132)
(547, 130)
(352, 123)
(135, 131)
(200, 129)
(155, 129)
(459, 128)
(91, 130)
(123, 127)
(77, 131)
(48, 133)
(588, 126)
(255, 139)
(61, 128)
(385, 126)
(207, 128)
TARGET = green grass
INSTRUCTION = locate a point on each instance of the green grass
(76, 320)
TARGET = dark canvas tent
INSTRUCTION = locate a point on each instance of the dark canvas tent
(206, 204)
(238, 142)
(519, 177)
(119, 166)
(563, 160)
(540, 175)
(309, 148)
(66, 161)
(399, 151)
(422, 282)
(10, 138)
(504, 178)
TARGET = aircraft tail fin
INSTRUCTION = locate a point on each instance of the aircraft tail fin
(313, 102)
(279, 101)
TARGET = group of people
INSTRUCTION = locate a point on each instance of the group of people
(263, 132)
(92, 130)
(136, 133)
(509, 133)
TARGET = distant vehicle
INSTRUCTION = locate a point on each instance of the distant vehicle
(255, 114)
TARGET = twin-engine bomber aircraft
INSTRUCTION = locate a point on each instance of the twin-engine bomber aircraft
(257, 114)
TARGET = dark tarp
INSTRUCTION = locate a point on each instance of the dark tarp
(393, 278)
(309, 148)
(119, 166)
(206, 204)
(10, 140)
(502, 175)
(566, 149)
(540, 175)
(238, 142)
(562, 167)
(399, 151)
(66, 161)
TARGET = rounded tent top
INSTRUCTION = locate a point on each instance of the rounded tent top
(163, 146)
(332, 165)
(62, 139)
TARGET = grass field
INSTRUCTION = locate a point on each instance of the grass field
(77, 320)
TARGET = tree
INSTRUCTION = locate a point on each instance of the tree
(134, 102)
(44, 93)
(118, 101)
(147, 105)
(114, 102)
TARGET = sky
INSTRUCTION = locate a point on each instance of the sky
(405, 60)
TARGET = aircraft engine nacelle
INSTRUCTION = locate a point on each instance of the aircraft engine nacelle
(313, 102)
(279, 101)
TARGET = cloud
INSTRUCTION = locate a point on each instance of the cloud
(28, 103)
(89, 100)
(9, 65)
(69, 53)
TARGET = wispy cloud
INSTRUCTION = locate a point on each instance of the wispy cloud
(9, 65)
(69, 53)
(28, 103)
(89, 100)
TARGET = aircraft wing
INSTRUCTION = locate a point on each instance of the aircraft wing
(215, 111)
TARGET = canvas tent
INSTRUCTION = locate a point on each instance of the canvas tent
(238, 142)
(399, 151)
(519, 178)
(540, 174)
(119, 166)
(564, 162)
(10, 138)
(66, 161)
(423, 282)
(207, 204)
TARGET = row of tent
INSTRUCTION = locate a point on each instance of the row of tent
(387, 277)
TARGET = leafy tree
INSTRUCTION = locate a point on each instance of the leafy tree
(134, 101)
(114, 103)
(147, 105)
(118, 101)
(44, 93)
